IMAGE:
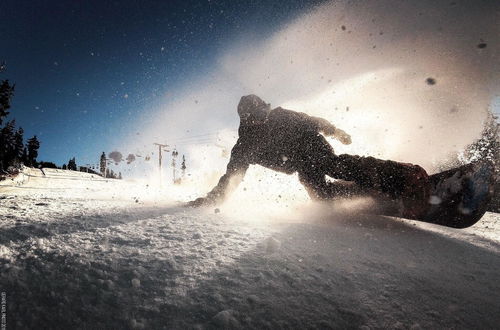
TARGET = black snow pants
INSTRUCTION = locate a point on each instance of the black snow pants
(389, 177)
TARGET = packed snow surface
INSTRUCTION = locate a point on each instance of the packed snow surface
(80, 251)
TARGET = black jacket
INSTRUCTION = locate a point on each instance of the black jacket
(283, 140)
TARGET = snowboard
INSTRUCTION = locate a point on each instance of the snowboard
(458, 197)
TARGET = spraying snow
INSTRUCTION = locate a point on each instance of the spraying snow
(408, 83)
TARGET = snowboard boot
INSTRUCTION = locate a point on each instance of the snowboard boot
(415, 192)
(405, 183)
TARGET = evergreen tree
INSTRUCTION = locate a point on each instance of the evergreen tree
(64, 167)
(6, 93)
(7, 133)
(183, 166)
(33, 146)
(120, 175)
(107, 175)
(7, 144)
(488, 145)
(25, 156)
(72, 164)
(47, 165)
(18, 144)
(103, 164)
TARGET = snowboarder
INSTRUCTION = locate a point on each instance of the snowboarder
(289, 142)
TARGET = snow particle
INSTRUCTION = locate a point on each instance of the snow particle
(40, 243)
(465, 210)
(430, 81)
(5, 252)
(434, 200)
(136, 283)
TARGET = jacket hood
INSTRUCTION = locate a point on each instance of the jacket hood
(252, 107)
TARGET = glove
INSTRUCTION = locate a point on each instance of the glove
(328, 130)
(342, 136)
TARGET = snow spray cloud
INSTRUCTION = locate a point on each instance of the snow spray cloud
(130, 158)
(116, 156)
(410, 81)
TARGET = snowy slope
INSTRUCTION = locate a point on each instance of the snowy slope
(80, 251)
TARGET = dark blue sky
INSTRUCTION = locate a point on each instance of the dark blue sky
(84, 70)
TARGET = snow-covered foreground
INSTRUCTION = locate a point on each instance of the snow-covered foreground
(77, 251)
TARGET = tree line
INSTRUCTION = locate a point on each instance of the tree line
(13, 150)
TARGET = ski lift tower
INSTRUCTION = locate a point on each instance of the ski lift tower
(160, 147)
